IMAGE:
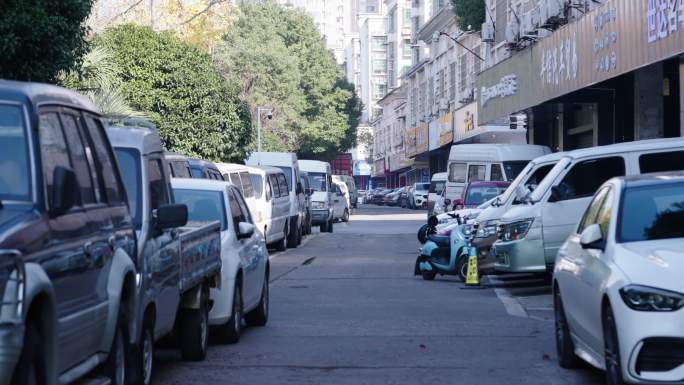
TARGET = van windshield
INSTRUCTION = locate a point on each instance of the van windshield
(257, 185)
(288, 175)
(436, 186)
(15, 183)
(317, 181)
(548, 180)
(514, 168)
(203, 206)
(422, 186)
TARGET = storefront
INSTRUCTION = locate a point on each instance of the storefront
(441, 134)
(611, 76)
(415, 149)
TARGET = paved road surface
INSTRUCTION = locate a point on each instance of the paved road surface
(346, 309)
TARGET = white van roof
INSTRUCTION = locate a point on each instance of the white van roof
(496, 152)
(272, 159)
(552, 157)
(199, 184)
(314, 166)
(264, 170)
(230, 167)
(439, 176)
(636, 146)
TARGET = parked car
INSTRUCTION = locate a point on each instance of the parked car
(67, 245)
(378, 196)
(435, 203)
(287, 162)
(320, 182)
(238, 174)
(617, 285)
(394, 197)
(476, 193)
(340, 201)
(530, 234)
(272, 204)
(204, 169)
(487, 162)
(353, 196)
(363, 197)
(304, 180)
(243, 292)
(418, 195)
(179, 167)
(178, 264)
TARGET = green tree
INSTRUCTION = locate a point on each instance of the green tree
(279, 58)
(470, 14)
(179, 88)
(40, 38)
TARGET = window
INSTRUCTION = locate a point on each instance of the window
(457, 172)
(477, 172)
(104, 160)
(317, 181)
(129, 164)
(244, 210)
(591, 214)
(538, 175)
(652, 212)
(235, 212)
(407, 50)
(586, 177)
(477, 195)
(437, 186)
(496, 173)
(463, 72)
(179, 169)
(247, 188)
(452, 81)
(15, 183)
(379, 91)
(514, 168)
(197, 172)
(661, 161)
(257, 185)
(269, 189)
(203, 206)
(282, 185)
(379, 66)
(52, 147)
(157, 188)
(235, 179)
(273, 178)
(407, 16)
(78, 158)
(603, 218)
(391, 20)
(378, 43)
(288, 175)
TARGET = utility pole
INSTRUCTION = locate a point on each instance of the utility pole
(261, 110)
(152, 14)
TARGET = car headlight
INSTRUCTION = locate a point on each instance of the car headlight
(486, 230)
(515, 230)
(318, 205)
(644, 298)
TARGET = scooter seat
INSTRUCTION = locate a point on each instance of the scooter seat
(440, 240)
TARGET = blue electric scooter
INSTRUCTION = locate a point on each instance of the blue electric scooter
(447, 253)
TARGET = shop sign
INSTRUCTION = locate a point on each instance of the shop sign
(466, 122)
(362, 168)
(410, 142)
(446, 130)
(613, 39)
(398, 160)
(422, 133)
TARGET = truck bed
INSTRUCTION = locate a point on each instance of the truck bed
(200, 254)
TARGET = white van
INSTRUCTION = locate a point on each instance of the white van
(353, 196)
(272, 207)
(320, 182)
(487, 162)
(340, 201)
(531, 234)
(287, 161)
(238, 174)
(435, 199)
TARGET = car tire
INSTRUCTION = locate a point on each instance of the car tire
(462, 268)
(565, 348)
(281, 245)
(345, 216)
(30, 369)
(259, 316)
(292, 236)
(611, 349)
(143, 371)
(428, 275)
(324, 227)
(330, 226)
(194, 332)
(116, 367)
(230, 331)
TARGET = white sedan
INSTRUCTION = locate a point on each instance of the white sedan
(618, 287)
(243, 293)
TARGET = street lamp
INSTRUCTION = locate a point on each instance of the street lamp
(261, 110)
(455, 40)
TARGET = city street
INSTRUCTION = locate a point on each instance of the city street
(346, 309)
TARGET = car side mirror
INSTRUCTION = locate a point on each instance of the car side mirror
(592, 238)
(555, 194)
(66, 191)
(245, 230)
(170, 216)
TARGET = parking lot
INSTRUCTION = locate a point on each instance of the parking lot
(346, 309)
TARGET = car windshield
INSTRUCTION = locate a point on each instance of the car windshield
(317, 181)
(548, 180)
(652, 212)
(257, 184)
(288, 175)
(436, 187)
(129, 164)
(514, 168)
(15, 182)
(422, 186)
(476, 195)
(203, 206)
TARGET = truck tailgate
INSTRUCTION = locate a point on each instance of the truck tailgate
(200, 254)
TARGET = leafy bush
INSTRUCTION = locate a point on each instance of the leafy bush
(469, 13)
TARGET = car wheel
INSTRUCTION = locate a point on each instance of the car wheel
(565, 348)
(194, 331)
(259, 316)
(281, 245)
(345, 216)
(116, 367)
(423, 233)
(145, 357)
(462, 268)
(30, 369)
(428, 275)
(611, 349)
(230, 331)
(324, 227)
(330, 226)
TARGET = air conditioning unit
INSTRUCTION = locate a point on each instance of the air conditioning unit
(487, 32)
(513, 32)
(529, 25)
(467, 96)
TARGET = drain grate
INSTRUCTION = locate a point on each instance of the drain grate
(308, 261)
